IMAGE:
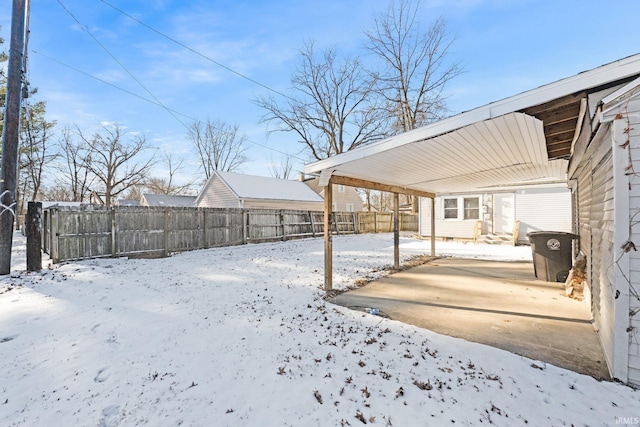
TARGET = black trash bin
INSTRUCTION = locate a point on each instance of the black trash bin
(552, 254)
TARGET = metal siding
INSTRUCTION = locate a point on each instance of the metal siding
(601, 220)
(544, 209)
(633, 110)
(494, 152)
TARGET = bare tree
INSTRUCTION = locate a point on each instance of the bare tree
(331, 110)
(75, 174)
(219, 146)
(35, 154)
(282, 168)
(117, 164)
(415, 65)
(158, 185)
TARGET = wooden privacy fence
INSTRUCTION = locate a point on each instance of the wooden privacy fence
(95, 232)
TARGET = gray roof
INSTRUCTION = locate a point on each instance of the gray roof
(170, 200)
(128, 202)
(264, 188)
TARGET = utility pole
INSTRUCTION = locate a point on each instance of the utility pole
(10, 142)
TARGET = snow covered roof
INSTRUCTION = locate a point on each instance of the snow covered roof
(264, 188)
(170, 200)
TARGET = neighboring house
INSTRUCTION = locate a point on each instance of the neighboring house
(543, 207)
(128, 203)
(234, 190)
(166, 200)
(55, 204)
(345, 199)
(604, 179)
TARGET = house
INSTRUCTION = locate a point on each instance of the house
(493, 214)
(234, 190)
(345, 199)
(583, 130)
(168, 200)
(127, 202)
(605, 185)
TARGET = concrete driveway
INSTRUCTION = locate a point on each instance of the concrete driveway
(500, 304)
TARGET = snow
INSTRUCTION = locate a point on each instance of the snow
(261, 187)
(241, 336)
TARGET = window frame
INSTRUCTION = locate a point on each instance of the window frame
(460, 208)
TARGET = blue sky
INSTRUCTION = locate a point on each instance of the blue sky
(505, 47)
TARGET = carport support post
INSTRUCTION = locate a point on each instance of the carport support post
(396, 231)
(328, 244)
(433, 226)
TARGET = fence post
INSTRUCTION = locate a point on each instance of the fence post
(227, 226)
(114, 242)
(205, 239)
(54, 235)
(354, 217)
(335, 222)
(245, 226)
(33, 226)
(313, 226)
(45, 236)
(166, 232)
(284, 228)
(375, 222)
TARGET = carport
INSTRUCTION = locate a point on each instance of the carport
(524, 139)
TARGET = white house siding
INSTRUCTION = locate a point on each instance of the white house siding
(602, 235)
(218, 195)
(543, 209)
(583, 227)
(633, 112)
(457, 229)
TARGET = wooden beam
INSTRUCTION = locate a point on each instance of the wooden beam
(328, 244)
(355, 182)
(396, 231)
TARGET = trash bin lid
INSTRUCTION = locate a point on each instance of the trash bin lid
(551, 233)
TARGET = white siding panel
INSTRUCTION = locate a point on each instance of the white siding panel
(602, 237)
(633, 110)
(544, 209)
(457, 229)
(218, 195)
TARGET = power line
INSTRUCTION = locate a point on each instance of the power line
(86, 29)
(160, 33)
(154, 102)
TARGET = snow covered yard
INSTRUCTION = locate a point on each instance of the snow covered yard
(241, 336)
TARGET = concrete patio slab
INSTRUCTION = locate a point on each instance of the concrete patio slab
(500, 304)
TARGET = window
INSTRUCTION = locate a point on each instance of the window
(341, 188)
(450, 208)
(334, 207)
(471, 208)
(349, 207)
(461, 208)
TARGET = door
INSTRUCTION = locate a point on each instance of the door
(504, 212)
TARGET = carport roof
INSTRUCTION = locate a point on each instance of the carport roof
(522, 139)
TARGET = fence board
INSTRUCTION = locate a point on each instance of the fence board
(94, 232)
